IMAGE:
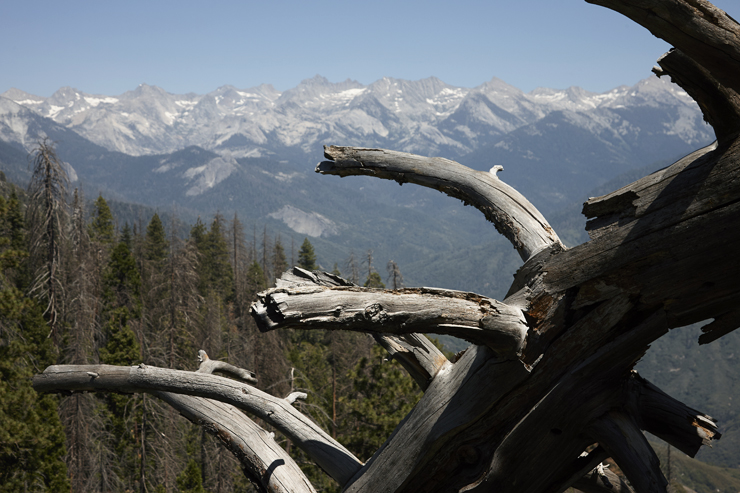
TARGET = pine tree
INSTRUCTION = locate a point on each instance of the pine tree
(31, 435)
(374, 281)
(121, 311)
(81, 413)
(46, 220)
(306, 256)
(279, 261)
(383, 395)
(102, 229)
(156, 247)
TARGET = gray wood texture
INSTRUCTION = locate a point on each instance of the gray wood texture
(208, 365)
(328, 454)
(264, 462)
(415, 352)
(468, 316)
(512, 214)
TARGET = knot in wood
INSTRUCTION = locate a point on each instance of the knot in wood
(375, 313)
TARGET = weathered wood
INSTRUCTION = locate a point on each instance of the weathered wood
(264, 462)
(655, 411)
(699, 29)
(720, 105)
(626, 444)
(512, 214)
(468, 316)
(415, 352)
(208, 365)
(337, 461)
(580, 468)
(454, 400)
(662, 254)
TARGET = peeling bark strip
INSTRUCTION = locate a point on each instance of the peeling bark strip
(468, 316)
(512, 214)
(332, 457)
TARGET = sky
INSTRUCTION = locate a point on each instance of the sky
(110, 47)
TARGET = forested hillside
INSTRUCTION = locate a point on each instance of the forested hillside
(81, 286)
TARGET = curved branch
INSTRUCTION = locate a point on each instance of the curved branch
(337, 461)
(512, 214)
(719, 104)
(417, 354)
(469, 316)
(264, 462)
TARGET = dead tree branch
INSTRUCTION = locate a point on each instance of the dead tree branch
(264, 462)
(512, 214)
(332, 457)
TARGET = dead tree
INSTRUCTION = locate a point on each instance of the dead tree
(549, 375)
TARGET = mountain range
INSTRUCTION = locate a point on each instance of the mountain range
(251, 151)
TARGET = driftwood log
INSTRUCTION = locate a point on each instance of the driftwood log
(549, 375)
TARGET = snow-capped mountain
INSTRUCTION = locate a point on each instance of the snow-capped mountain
(425, 116)
(251, 151)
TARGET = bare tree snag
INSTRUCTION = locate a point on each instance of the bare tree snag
(655, 411)
(550, 372)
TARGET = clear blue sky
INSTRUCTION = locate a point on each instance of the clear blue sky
(109, 47)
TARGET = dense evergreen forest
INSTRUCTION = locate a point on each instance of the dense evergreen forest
(79, 287)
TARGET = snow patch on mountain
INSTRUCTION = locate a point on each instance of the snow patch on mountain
(425, 116)
(209, 175)
(306, 223)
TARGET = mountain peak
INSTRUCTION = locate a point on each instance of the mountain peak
(17, 95)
